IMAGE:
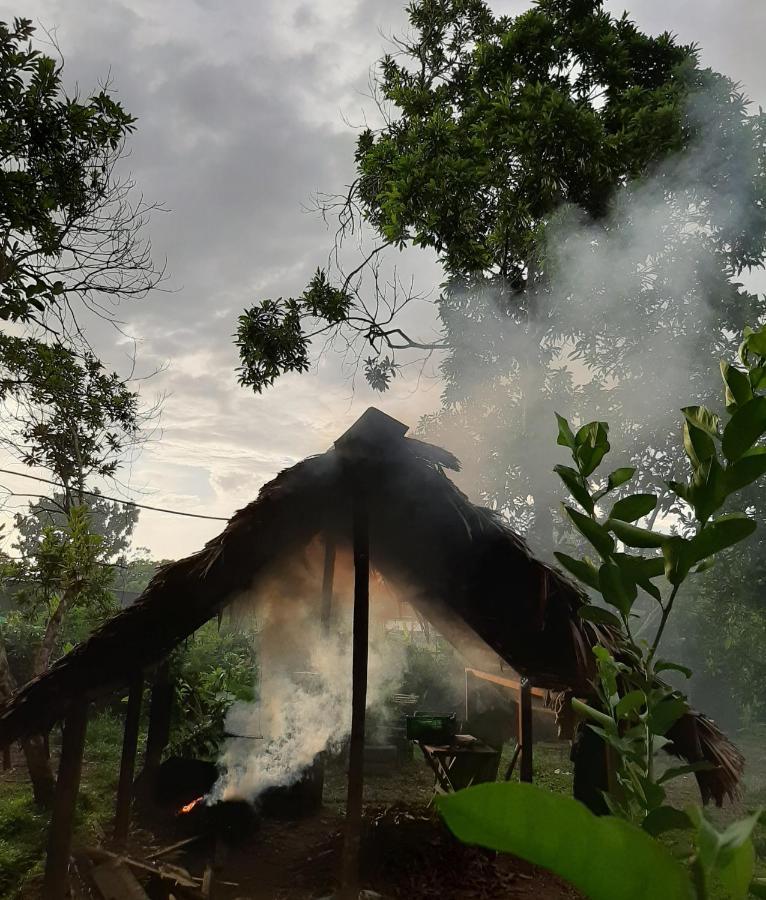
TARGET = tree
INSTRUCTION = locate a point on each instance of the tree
(64, 413)
(494, 130)
(70, 230)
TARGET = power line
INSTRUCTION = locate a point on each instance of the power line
(172, 512)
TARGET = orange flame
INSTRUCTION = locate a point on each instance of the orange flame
(187, 808)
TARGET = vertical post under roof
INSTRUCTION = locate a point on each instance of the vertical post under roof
(158, 733)
(128, 761)
(56, 881)
(525, 730)
(352, 838)
(328, 578)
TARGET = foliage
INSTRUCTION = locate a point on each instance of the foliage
(66, 412)
(214, 669)
(69, 230)
(637, 707)
(560, 834)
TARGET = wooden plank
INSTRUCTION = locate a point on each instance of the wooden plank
(506, 682)
(128, 761)
(525, 730)
(55, 883)
(349, 889)
(115, 881)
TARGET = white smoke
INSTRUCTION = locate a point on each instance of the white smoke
(304, 698)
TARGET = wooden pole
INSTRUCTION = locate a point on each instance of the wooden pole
(158, 732)
(55, 884)
(352, 842)
(327, 583)
(128, 761)
(525, 730)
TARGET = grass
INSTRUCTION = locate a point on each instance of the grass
(23, 828)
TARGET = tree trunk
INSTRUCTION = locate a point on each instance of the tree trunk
(35, 751)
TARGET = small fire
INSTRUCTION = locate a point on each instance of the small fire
(188, 807)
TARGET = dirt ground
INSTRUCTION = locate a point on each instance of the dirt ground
(406, 851)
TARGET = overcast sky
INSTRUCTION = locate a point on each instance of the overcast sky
(244, 112)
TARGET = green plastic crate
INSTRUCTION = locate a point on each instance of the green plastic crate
(431, 728)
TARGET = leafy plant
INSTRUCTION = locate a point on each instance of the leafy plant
(637, 708)
(606, 858)
(211, 672)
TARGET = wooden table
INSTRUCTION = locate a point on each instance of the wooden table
(464, 761)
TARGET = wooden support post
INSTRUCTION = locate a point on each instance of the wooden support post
(352, 841)
(128, 761)
(327, 583)
(158, 733)
(525, 730)
(55, 884)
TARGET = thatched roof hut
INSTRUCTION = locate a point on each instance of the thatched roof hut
(462, 567)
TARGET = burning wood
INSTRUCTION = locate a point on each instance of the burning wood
(188, 807)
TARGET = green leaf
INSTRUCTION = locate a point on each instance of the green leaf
(566, 437)
(665, 666)
(666, 818)
(746, 470)
(628, 704)
(560, 834)
(678, 559)
(680, 489)
(633, 536)
(599, 615)
(662, 715)
(698, 444)
(615, 588)
(701, 417)
(582, 569)
(719, 534)
(592, 445)
(744, 428)
(577, 486)
(634, 507)
(596, 534)
(708, 489)
(738, 388)
(619, 477)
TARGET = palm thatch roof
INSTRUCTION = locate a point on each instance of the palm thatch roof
(464, 570)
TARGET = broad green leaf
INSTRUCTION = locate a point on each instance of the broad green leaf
(678, 559)
(744, 428)
(577, 486)
(599, 615)
(698, 444)
(755, 341)
(735, 870)
(708, 490)
(758, 888)
(738, 388)
(595, 715)
(634, 507)
(746, 469)
(582, 569)
(633, 536)
(664, 714)
(719, 534)
(758, 377)
(620, 476)
(701, 417)
(628, 704)
(598, 536)
(592, 445)
(566, 437)
(666, 818)
(664, 666)
(679, 488)
(640, 566)
(616, 589)
(560, 834)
